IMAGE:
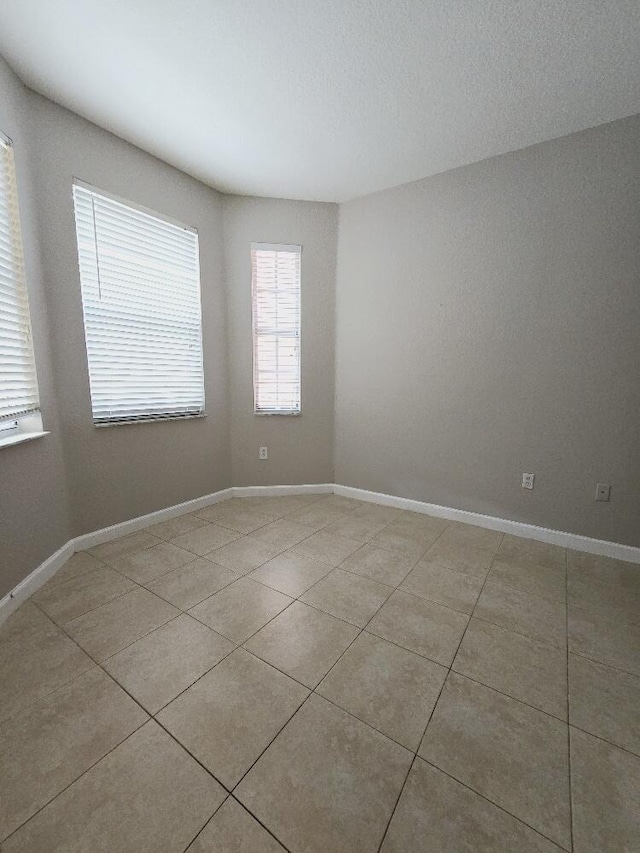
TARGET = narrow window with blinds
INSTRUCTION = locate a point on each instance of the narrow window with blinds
(140, 280)
(275, 288)
(19, 402)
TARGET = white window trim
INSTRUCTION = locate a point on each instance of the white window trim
(25, 425)
(286, 413)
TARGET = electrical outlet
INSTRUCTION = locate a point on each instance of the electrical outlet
(527, 481)
(603, 492)
(263, 453)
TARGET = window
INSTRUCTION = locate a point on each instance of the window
(19, 403)
(275, 287)
(140, 281)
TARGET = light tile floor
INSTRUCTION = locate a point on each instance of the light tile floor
(309, 673)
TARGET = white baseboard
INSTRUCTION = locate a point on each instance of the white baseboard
(504, 525)
(275, 491)
(33, 581)
(50, 566)
(46, 570)
(106, 534)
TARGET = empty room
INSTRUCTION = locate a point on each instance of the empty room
(319, 426)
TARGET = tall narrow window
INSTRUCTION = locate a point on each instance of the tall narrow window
(140, 280)
(19, 403)
(275, 286)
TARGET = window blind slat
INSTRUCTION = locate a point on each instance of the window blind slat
(276, 303)
(18, 381)
(140, 280)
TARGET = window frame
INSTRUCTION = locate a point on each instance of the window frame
(21, 424)
(102, 422)
(275, 247)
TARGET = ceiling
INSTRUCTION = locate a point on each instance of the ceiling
(329, 99)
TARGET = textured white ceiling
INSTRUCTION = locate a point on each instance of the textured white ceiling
(329, 99)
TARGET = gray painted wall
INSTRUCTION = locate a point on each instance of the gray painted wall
(34, 517)
(300, 448)
(120, 472)
(488, 324)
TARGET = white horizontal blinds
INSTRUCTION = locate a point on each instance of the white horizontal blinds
(275, 276)
(141, 298)
(18, 383)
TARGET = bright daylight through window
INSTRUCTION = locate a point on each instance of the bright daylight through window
(140, 279)
(19, 402)
(275, 286)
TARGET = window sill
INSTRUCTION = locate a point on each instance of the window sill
(20, 437)
(277, 414)
(103, 424)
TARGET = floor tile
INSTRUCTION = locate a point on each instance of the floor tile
(57, 739)
(291, 573)
(515, 549)
(240, 609)
(521, 667)
(445, 586)
(406, 538)
(531, 615)
(173, 527)
(317, 515)
(282, 505)
(303, 642)
(604, 571)
(205, 539)
(155, 669)
(75, 596)
(605, 702)
(420, 626)
(107, 629)
(124, 546)
(380, 565)
(233, 830)
(350, 597)
(187, 586)
(328, 782)
(510, 753)
(146, 795)
(429, 524)
(339, 502)
(376, 512)
(243, 555)
(282, 534)
(36, 658)
(613, 642)
(437, 814)
(356, 528)
(461, 557)
(327, 547)
(545, 581)
(458, 533)
(389, 688)
(606, 792)
(153, 562)
(613, 600)
(80, 563)
(239, 517)
(230, 716)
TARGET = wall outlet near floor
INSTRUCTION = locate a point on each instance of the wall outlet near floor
(603, 492)
(263, 453)
(527, 481)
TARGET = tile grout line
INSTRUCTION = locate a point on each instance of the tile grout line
(433, 710)
(496, 805)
